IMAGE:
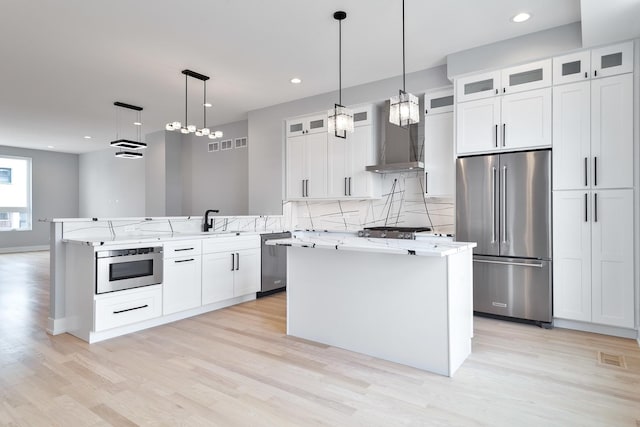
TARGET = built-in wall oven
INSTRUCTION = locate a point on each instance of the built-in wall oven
(121, 269)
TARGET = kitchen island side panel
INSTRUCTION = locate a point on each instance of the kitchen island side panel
(390, 306)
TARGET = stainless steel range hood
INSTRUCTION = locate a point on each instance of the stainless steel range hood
(400, 148)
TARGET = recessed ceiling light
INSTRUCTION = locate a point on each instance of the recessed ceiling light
(50, 146)
(521, 17)
(137, 123)
(87, 137)
(208, 105)
(295, 81)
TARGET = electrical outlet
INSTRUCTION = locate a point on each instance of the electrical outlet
(129, 228)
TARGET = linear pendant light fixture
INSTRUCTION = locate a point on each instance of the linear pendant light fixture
(187, 128)
(340, 118)
(404, 109)
(128, 144)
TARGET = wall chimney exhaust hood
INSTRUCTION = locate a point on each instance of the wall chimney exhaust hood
(400, 148)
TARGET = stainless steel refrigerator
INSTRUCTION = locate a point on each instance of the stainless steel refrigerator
(503, 203)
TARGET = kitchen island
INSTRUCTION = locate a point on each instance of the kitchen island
(408, 302)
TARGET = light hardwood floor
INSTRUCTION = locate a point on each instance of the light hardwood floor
(236, 366)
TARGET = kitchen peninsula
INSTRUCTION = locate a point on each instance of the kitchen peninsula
(407, 301)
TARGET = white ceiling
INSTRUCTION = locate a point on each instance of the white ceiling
(64, 63)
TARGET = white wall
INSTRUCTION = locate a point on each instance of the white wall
(266, 131)
(54, 194)
(111, 186)
(609, 21)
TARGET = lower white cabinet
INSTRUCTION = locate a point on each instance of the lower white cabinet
(182, 285)
(125, 307)
(230, 268)
(593, 256)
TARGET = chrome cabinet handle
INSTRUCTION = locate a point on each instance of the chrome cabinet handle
(493, 205)
(184, 260)
(233, 262)
(504, 204)
(130, 309)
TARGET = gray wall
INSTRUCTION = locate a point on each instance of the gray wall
(266, 131)
(173, 173)
(216, 180)
(155, 174)
(54, 194)
(111, 186)
(542, 44)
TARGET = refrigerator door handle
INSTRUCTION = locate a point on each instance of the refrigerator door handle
(493, 204)
(503, 216)
(521, 264)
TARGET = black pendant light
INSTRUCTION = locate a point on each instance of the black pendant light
(404, 109)
(128, 144)
(340, 118)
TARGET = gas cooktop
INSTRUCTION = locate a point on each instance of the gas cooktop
(392, 232)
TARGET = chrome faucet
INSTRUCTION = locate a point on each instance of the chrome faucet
(208, 223)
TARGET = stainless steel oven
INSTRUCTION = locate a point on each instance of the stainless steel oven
(121, 269)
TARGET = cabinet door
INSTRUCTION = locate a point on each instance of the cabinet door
(535, 75)
(438, 102)
(296, 167)
(317, 124)
(217, 277)
(182, 286)
(360, 183)
(612, 60)
(612, 258)
(572, 255)
(439, 165)
(315, 149)
(477, 86)
(571, 68)
(338, 152)
(247, 275)
(295, 127)
(612, 132)
(362, 116)
(526, 119)
(477, 126)
(571, 136)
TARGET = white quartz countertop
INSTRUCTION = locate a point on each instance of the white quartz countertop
(426, 246)
(156, 238)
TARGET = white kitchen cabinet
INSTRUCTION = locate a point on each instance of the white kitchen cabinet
(182, 286)
(571, 136)
(230, 268)
(126, 307)
(534, 75)
(307, 166)
(612, 131)
(593, 256)
(612, 60)
(573, 67)
(526, 120)
(439, 163)
(348, 159)
(477, 124)
(478, 86)
(307, 125)
(437, 102)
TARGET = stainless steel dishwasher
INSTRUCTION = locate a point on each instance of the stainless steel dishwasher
(274, 265)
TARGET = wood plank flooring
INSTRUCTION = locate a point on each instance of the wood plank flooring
(237, 367)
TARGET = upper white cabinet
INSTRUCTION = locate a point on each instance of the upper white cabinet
(612, 60)
(515, 115)
(572, 67)
(307, 157)
(439, 161)
(323, 166)
(530, 76)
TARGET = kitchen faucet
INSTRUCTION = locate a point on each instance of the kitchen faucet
(208, 224)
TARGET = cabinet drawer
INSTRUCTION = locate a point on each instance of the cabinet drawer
(126, 307)
(182, 248)
(230, 244)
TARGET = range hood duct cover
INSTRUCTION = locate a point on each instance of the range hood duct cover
(400, 149)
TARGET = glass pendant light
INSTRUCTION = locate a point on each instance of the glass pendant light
(404, 109)
(340, 118)
(128, 144)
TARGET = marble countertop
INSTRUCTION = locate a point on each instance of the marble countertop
(426, 246)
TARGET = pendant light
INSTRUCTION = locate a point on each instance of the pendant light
(340, 118)
(404, 109)
(128, 144)
(187, 128)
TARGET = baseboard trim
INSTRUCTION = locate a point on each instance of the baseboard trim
(597, 329)
(56, 326)
(24, 249)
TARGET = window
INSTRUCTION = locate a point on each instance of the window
(15, 193)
